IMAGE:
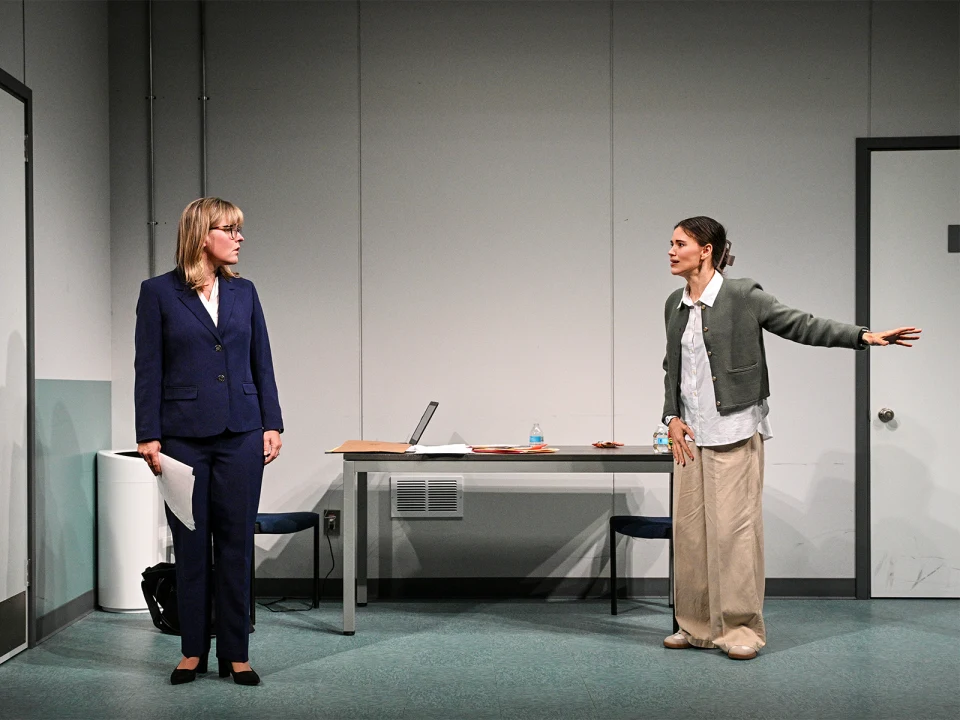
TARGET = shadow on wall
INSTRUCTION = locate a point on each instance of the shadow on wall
(522, 534)
(915, 547)
(13, 461)
(503, 534)
(65, 520)
(786, 520)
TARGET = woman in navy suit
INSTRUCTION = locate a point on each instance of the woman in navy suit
(206, 394)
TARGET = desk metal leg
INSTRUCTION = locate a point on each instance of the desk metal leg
(361, 539)
(349, 528)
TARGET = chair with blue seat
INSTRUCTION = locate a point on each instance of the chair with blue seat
(285, 524)
(639, 526)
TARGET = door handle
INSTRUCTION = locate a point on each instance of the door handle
(885, 415)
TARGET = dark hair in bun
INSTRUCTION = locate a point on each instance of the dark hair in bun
(707, 231)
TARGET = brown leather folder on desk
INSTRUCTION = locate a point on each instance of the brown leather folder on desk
(370, 446)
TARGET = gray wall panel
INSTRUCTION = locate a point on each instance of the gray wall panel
(283, 145)
(486, 253)
(66, 67)
(176, 85)
(750, 117)
(176, 33)
(129, 199)
(915, 68)
(11, 37)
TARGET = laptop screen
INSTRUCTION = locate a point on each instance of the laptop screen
(422, 425)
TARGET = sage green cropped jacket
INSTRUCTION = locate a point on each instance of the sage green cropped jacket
(733, 336)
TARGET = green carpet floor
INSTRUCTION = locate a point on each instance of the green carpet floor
(840, 659)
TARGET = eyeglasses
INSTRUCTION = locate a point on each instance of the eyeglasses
(231, 230)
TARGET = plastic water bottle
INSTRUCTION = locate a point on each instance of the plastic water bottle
(536, 434)
(661, 440)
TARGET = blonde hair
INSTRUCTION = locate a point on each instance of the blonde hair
(198, 218)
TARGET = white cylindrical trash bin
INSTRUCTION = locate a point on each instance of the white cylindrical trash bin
(128, 537)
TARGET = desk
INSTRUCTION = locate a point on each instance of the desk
(572, 459)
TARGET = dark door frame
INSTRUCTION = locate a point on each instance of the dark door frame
(14, 87)
(865, 148)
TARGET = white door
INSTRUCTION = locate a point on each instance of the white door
(914, 468)
(13, 379)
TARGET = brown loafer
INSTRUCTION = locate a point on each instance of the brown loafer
(741, 652)
(677, 641)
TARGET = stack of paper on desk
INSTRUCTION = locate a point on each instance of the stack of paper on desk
(513, 449)
(455, 449)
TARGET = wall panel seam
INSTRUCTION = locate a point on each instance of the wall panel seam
(360, 216)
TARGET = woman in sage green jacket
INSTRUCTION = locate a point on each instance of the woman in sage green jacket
(715, 404)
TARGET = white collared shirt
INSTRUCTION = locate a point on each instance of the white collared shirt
(213, 304)
(698, 400)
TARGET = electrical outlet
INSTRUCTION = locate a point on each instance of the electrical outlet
(331, 522)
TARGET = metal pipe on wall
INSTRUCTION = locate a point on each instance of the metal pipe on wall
(152, 221)
(203, 99)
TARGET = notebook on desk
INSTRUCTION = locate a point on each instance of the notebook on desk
(422, 425)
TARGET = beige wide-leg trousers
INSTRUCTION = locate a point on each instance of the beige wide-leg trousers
(718, 545)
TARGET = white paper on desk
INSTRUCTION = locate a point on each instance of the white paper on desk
(176, 488)
(457, 449)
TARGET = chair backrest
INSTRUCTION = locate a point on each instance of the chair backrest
(642, 526)
(285, 523)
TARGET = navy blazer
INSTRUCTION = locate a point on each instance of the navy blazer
(197, 379)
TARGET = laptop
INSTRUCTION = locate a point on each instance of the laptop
(422, 425)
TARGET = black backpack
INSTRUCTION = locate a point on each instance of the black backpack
(160, 591)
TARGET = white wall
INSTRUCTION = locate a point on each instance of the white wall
(471, 202)
(66, 68)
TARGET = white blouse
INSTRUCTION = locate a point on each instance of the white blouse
(213, 304)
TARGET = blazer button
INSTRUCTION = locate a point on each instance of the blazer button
(718, 403)
(709, 353)
(714, 378)
(218, 348)
(705, 329)
(221, 378)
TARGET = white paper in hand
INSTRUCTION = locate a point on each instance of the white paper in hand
(176, 488)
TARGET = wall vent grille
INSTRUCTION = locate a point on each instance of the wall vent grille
(434, 496)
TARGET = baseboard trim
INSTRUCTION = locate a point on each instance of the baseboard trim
(13, 629)
(812, 587)
(65, 615)
(532, 588)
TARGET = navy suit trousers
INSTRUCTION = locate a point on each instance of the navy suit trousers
(228, 471)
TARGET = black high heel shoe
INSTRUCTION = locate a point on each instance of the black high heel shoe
(244, 677)
(179, 677)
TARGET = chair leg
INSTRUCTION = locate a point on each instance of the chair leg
(316, 565)
(613, 569)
